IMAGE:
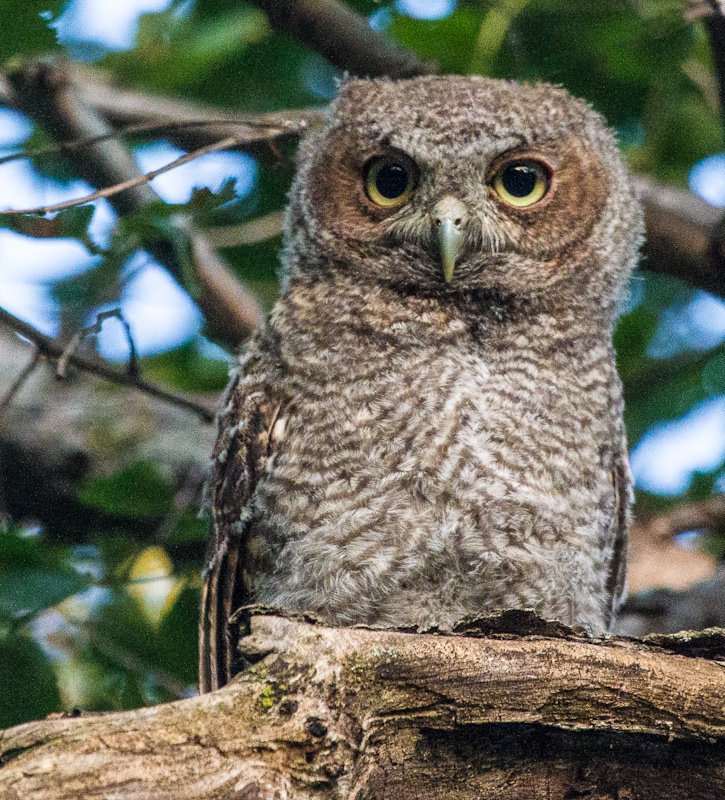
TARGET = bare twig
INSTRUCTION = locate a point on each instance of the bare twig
(344, 38)
(47, 94)
(256, 230)
(123, 186)
(188, 125)
(94, 330)
(264, 128)
(20, 380)
(52, 349)
(697, 9)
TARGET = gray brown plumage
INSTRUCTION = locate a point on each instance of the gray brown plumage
(430, 427)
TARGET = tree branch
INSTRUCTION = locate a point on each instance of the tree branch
(130, 183)
(708, 514)
(715, 25)
(656, 560)
(344, 38)
(17, 384)
(186, 124)
(664, 610)
(683, 236)
(356, 713)
(55, 436)
(53, 349)
(47, 95)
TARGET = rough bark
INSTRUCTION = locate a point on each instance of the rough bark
(512, 707)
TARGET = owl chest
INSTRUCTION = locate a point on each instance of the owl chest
(425, 438)
(418, 495)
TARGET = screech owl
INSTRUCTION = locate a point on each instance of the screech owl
(431, 425)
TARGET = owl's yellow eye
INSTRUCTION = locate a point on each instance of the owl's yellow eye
(390, 180)
(522, 183)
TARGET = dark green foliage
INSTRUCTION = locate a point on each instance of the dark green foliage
(138, 492)
(33, 575)
(28, 686)
(25, 27)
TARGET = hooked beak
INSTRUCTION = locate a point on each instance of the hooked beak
(449, 217)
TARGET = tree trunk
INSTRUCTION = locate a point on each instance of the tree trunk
(512, 707)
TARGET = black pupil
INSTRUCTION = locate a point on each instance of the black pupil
(391, 181)
(519, 180)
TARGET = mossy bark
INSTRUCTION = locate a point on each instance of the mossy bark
(509, 708)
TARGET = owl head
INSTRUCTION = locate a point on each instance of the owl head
(464, 186)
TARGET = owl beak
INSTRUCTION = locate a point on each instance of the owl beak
(449, 217)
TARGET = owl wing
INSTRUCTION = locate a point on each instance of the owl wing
(617, 579)
(243, 446)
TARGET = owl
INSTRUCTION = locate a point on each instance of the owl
(430, 427)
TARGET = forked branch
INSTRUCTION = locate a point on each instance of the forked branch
(52, 349)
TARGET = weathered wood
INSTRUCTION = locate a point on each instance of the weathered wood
(355, 713)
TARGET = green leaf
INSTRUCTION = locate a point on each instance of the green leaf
(25, 27)
(188, 369)
(632, 335)
(138, 492)
(33, 575)
(73, 223)
(189, 528)
(28, 686)
(26, 591)
(702, 486)
(175, 50)
(96, 286)
(713, 374)
(448, 41)
(177, 636)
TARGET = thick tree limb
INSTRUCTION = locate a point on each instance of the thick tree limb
(351, 713)
(47, 95)
(715, 24)
(709, 514)
(674, 588)
(684, 237)
(656, 560)
(344, 38)
(664, 610)
(127, 109)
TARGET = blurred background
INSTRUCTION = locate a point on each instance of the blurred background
(101, 545)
